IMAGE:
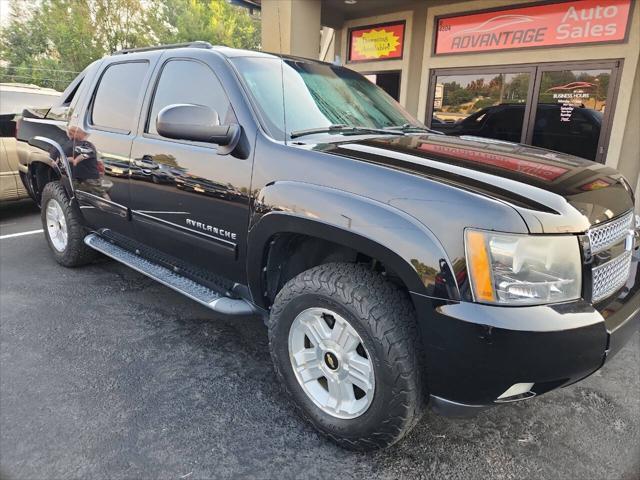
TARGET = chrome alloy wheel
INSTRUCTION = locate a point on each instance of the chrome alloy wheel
(57, 225)
(331, 363)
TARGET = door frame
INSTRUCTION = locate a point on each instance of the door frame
(612, 95)
(382, 72)
(536, 70)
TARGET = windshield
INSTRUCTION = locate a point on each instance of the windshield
(317, 96)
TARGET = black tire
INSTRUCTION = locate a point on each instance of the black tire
(76, 253)
(384, 317)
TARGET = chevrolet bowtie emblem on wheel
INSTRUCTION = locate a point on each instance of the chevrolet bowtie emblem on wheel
(331, 360)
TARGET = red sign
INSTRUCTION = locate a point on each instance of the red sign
(595, 185)
(541, 171)
(376, 42)
(564, 23)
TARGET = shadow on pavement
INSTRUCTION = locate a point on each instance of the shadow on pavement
(10, 210)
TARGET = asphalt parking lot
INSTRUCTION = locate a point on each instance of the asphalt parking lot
(107, 374)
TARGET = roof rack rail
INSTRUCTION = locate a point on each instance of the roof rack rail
(197, 44)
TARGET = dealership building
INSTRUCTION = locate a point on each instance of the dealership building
(562, 75)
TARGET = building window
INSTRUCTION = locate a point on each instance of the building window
(486, 105)
(560, 107)
(570, 110)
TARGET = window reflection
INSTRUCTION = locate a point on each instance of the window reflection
(486, 105)
(569, 111)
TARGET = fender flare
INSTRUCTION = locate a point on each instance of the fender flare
(46, 160)
(373, 228)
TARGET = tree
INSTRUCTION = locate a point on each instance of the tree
(48, 42)
(214, 21)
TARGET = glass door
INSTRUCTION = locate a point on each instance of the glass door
(571, 111)
(483, 103)
(567, 107)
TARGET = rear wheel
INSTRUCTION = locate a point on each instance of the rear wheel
(63, 227)
(344, 343)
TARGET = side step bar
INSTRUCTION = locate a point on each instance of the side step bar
(195, 291)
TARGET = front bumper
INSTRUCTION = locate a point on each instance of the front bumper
(476, 352)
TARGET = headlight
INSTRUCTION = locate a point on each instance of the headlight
(514, 269)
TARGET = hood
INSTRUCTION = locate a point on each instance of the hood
(552, 191)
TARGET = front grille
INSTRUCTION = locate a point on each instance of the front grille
(609, 277)
(608, 234)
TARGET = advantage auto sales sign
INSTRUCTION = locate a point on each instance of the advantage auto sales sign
(545, 25)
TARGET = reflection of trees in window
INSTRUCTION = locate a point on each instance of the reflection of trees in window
(516, 88)
(602, 80)
(455, 94)
(481, 92)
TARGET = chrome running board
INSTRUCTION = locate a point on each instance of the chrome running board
(202, 294)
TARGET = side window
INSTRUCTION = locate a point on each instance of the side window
(186, 81)
(66, 101)
(62, 111)
(115, 102)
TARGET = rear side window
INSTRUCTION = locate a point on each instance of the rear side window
(66, 101)
(186, 81)
(115, 101)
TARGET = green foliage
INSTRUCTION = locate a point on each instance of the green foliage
(48, 42)
(455, 95)
(479, 93)
(214, 21)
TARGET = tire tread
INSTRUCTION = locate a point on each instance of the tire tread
(77, 252)
(390, 317)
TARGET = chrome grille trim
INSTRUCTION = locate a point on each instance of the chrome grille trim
(607, 234)
(610, 276)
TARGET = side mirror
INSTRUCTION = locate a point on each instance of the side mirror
(197, 123)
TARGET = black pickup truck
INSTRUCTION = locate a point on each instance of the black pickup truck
(395, 267)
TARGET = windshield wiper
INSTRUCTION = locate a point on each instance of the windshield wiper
(407, 127)
(342, 128)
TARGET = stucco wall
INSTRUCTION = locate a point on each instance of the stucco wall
(291, 27)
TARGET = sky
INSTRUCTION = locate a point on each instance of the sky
(5, 9)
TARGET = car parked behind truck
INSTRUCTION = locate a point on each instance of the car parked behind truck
(14, 97)
(395, 267)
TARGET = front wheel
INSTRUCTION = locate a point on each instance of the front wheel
(344, 343)
(63, 227)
